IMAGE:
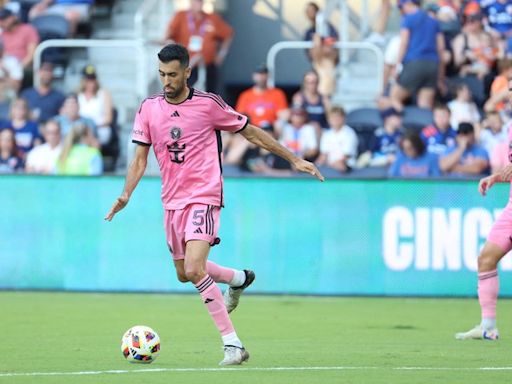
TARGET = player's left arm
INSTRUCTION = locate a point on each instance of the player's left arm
(262, 139)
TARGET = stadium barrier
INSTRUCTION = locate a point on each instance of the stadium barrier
(341, 237)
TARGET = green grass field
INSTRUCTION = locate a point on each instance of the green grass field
(291, 340)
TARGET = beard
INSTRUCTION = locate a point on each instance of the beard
(175, 93)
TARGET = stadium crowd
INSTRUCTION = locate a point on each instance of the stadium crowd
(444, 109)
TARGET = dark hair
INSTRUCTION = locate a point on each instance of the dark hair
(337, 109)
(443, 107)
(173, 52)
(416, 141)
(313, 5)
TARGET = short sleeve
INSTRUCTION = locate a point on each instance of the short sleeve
(226, 118)
(140, 132)
(434, 169)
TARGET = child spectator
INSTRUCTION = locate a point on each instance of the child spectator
(26, 131)
(78, 156)
(10, 162)
(338, 146)
(413, 160)
(299, 136)
(440, 135)
(386, 143)
(43, 158)
(463, 109)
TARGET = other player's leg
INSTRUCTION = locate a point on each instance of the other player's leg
(488, 288)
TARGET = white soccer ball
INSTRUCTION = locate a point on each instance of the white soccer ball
(140, 344)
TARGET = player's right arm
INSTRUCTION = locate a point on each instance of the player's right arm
(133, 176)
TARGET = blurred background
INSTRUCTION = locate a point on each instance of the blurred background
(402, 129)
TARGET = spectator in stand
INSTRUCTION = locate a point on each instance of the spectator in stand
(78, 155)
(498, 14)
(43, 158)
(69, 115)
(74, 11)
(439, 136)
(500, 155)
(338, 145)
(312, 101)
(323, 55)
(20, 39)
(44, 101)
(11, 70)
(413, 160)
(474, 51)
(463, 109)
(386, 142)
(499, 97)
(10, 161)
(208, 39)
(264, 106)
(493, 133)
(466, 158)
(299, 136)
(421, 52)
(96, 104)
(26, 131)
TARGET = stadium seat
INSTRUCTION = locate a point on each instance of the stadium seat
(416, 118)
(364, 121)
(52, 27)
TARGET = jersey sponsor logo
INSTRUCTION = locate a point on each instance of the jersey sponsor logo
(175, 132)
(138, 132)
(177, 152)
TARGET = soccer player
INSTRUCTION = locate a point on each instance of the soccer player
(499, 243)
(183, 125)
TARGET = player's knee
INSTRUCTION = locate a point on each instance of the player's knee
(182, 277)
(194, 274)
(487, 261)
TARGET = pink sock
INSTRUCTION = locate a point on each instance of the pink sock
(488, 287)
(212, 298)
(218, 273)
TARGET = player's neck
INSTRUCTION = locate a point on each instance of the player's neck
(180, 98)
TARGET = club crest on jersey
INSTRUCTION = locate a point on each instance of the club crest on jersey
(175, 133)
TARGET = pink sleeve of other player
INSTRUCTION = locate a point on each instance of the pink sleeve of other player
(140, 132)
(226, 118)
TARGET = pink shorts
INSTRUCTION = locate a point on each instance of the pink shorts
(501, 231)
(194, 222)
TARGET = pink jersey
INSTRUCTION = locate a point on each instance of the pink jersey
(187, 144)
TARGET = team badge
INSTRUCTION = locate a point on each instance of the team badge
(175, 133)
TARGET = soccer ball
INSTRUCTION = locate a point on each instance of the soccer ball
(140, 344)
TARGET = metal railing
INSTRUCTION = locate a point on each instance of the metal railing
(139, 56)
(342, 46)
(145, 10)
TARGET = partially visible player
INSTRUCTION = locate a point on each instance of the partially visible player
(498, 244)
(183, 125)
